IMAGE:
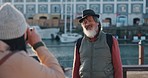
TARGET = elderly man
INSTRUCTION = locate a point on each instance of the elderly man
(93, 55)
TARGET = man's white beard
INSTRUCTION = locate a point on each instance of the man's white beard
(90, 33)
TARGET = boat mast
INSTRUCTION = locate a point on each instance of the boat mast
(71, 16)
(65, 21)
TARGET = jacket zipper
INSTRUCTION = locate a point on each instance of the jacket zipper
(91, 64)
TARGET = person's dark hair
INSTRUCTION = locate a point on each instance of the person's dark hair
(16, 44)
(97, 20)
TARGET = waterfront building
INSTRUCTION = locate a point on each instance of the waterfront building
(128, 14)
(146, 14)
(112, 12)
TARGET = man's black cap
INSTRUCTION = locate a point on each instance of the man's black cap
(87, 12)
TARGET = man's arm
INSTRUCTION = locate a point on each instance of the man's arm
(76, 64)
(117, 63)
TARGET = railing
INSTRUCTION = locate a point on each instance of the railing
(140, 51)
(139, 67)
(133, 68)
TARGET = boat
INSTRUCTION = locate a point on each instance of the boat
(48, 33)
(68, 37)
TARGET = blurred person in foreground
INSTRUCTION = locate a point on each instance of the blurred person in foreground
(94, 58)
(14, 61)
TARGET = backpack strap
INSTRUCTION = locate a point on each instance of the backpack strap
(78, 43)
(6, 57)
(109, 39)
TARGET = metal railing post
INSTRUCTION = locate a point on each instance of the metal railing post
(141, 53)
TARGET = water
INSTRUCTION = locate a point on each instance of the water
(64, 52)
(130, 53)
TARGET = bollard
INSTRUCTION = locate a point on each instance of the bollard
(141, 52)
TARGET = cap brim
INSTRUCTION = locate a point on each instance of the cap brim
(82, 18)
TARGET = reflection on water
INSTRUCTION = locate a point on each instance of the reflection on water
(64, 52)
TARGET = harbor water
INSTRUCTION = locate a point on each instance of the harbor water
(64, 52)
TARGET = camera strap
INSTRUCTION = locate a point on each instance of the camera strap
(6, 57)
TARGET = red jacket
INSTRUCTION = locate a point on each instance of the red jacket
(117, 64)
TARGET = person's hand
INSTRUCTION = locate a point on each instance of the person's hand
(33, 36)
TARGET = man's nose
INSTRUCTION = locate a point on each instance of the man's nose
(87, 23)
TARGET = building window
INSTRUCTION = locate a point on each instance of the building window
(18, 0)
(95, 7)
(30, 8)
(68, 0)
(20, 8)
(80, 8)
(55, 8)
(108, 8)
(136, 0)
(69, 8)
(122, 0)
(42, 0)
(146, 10)
(93, 0)
(146, 3)
(43, 8)
(55, 0)
(137, 8)
(7, 1)
(30, 0)
(108, 0)
(122, 8)
(81, 0)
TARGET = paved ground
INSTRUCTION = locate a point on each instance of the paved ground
(130, 74)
